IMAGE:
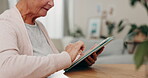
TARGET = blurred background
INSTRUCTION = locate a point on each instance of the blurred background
(94, 20)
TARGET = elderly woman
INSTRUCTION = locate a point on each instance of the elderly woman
(23, 39)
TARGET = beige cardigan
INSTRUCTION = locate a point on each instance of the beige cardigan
(16, 53)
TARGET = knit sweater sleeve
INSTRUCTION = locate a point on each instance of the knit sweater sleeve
(15, 65)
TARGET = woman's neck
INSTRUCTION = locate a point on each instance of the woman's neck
(25, 13)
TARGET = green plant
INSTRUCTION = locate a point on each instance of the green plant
(141, 28)
(142, 49)
(141, 53)
(110, 26)
(77, 32)
(142, 2)
(136, 34)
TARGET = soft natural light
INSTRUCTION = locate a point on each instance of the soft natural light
(54, 20)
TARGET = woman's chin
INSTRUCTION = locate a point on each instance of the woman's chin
(43, 15)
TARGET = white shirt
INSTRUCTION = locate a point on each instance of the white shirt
(38, 40)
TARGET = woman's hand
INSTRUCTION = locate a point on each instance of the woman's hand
(90, 60)
(74, 49)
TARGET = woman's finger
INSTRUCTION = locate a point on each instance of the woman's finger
(94, 56)
(89, 63)
(91, 60)
(100, 51)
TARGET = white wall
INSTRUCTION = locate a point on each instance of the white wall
(85, 9)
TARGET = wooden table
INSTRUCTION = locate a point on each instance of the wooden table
(108, 71)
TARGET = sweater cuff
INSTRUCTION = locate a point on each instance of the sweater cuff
(64, 60)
